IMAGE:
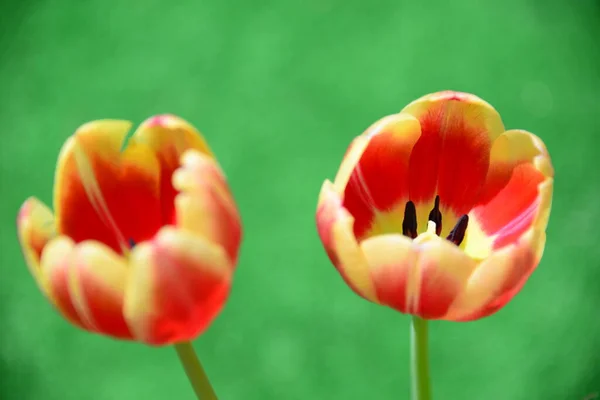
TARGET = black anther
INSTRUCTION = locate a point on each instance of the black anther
(409, 225)
(435, 215)
(457, 234)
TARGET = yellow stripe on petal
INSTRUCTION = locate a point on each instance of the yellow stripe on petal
(545, 204)
(451, 157)
(56, 266)
(442, 271)
(115, 191)
(402, 132)
(353, 154)
(518, 190)
(35, 225)
(379, 181)
(392, 263)
(98, 279)
(179, 283)
(459, 105)
(171, 136)
(205, 204)
(477, 244)
(497, 275)
(334, 225)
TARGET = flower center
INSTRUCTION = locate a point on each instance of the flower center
(409, 224)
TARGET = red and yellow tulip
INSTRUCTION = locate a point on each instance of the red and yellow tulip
(437, 211)
(144, 238)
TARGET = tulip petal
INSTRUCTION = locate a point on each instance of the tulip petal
(422, 277)
(98, 277)
(169, 137)
(87, 283)
(349, 161)
(392, 261)
(55, 266)
(451, 157)
(518, 189)
(179, 283)
(35, 226)
(205, 205)
(377, 188)
(498, 278)
(334, 225)
(443, 269)
(103, 193)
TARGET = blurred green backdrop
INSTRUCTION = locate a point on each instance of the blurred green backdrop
(279, 89)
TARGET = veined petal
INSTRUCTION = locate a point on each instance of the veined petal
(334, 225)
(392, 262)
(349, 161)
(498, 278)
(518, 189)
(442, 271)
(35, 226)
(169, 137)
(86, 282)
(205, 205)
(103, 193)
(421, 277)
(179, 284)
(97, 284)
(56, 266)
(451, 157)
(378, 184)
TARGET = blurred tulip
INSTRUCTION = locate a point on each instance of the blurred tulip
(438, 211)
(145, 235)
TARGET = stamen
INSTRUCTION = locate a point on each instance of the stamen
(435, 215)
(132, 243)
(409, 225)
(457, 234)
(431, 227)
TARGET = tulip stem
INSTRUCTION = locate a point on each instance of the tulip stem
(421, 389)
(195, 372)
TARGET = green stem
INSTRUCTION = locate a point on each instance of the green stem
(195, 372)
(419, 355)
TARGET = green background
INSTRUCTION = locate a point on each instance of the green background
(279, 89)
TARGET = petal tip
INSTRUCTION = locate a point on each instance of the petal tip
(26, 209)
(114, 126)
(163, 120)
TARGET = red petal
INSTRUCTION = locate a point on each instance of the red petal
(86, 283)
(392, 264)
(379, 181)
(169, 137)
(56, 267)
(499, 278)
(443, 272)
(179, 284)
(98, 282)
(104, 194)
(421, 277)
(451, 157)
(518, 189)
(35, 226)
(334, 225)
(205, 205)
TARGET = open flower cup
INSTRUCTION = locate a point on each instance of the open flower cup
(438, 211)
(144, 238)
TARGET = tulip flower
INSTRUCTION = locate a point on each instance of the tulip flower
(144, 237)
(438, 211)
